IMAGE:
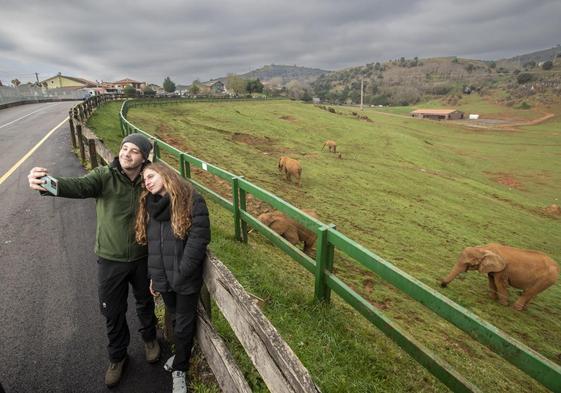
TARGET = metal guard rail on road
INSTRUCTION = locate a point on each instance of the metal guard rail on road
(526, 359)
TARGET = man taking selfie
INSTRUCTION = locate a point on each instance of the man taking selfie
(121, 261)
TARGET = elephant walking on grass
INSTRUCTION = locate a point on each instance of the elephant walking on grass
(331, 145)
(529, 270)
(290, 229)
(291, 168)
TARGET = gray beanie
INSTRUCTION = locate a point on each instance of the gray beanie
(141, 142)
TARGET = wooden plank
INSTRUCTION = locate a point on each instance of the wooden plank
(101, 149)
(277, 364)
(80, 142)
(224, 367)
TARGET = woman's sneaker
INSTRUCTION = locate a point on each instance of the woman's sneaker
(168, 366)
(179, 382)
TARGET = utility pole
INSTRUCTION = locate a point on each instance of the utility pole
(37, 77)
(361, 92)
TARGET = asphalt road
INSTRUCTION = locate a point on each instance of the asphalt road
(52, 335)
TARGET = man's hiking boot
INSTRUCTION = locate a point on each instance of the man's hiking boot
(114, 372)
(179, 382)
(152, 350)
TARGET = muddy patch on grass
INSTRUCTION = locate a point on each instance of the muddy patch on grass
(368, 285)
(506, 179)
(288, 118)
(453, 343)
(224, 189)
(553, 210)
(164, 128)
(263, 144)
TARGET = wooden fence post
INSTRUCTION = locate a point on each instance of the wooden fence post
(72, 132)
(93, 153)
(80, 142)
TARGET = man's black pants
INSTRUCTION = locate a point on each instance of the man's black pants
(184, 308)
(113, 279)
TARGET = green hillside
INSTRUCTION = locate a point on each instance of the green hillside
(410, 81)
(416, 192)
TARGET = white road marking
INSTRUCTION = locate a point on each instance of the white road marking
(30, 152)
(23, 117)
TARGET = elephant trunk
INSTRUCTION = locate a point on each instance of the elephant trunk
(459, 268)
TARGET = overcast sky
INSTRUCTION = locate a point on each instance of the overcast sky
(187, 40)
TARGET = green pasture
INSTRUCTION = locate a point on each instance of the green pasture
(413, 191)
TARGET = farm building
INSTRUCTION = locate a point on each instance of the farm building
(129, 82)
(438, 114)
(63, 81)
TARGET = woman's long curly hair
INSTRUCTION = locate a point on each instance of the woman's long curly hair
(181, 199)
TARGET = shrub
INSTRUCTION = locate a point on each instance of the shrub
(524, 105)
(548, 65)
(441, 90)
(524, 78)
(129, 91)
(148, 91)
(378, 100)
(330, 109)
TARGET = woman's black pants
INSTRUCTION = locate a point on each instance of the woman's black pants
(184, 308)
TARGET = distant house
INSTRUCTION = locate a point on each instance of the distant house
(110, 88)
(64, 81)
(438, 114)
(215, 87)
(182, 89)
(156, 88)
(121, 84)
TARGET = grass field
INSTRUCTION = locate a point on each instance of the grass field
(415, 192)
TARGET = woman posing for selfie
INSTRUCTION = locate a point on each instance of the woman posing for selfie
(172, 218)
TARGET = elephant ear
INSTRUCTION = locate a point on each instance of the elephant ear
(491, 263)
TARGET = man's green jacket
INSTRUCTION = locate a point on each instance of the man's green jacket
(116, 203)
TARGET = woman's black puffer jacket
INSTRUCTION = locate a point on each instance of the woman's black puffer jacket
(176, 264)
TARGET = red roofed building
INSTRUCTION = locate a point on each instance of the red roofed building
(438, 114)
(128, 82)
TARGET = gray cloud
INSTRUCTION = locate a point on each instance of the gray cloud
(146, 40)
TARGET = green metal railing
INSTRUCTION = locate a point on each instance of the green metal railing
(328, 239)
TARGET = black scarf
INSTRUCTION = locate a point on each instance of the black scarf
(158, 207)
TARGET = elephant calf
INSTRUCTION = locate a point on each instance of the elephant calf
(291, 168)
(290, 229)
(529, 270)
(331, 145)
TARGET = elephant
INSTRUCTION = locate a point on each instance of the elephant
(291, 229)
(291, 167)
(531, 271)
(331, 145)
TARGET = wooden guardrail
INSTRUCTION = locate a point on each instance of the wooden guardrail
(279, 367)
(82, 138)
